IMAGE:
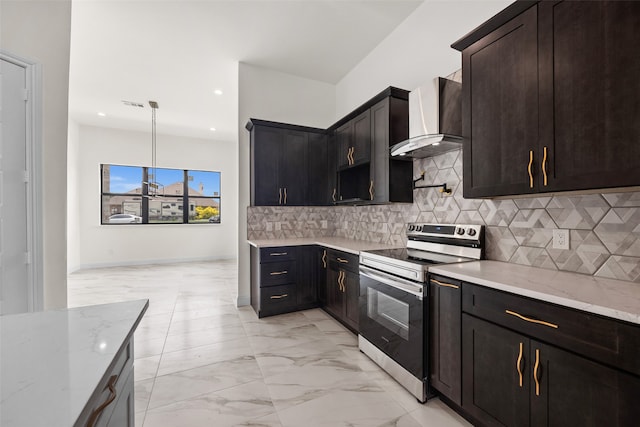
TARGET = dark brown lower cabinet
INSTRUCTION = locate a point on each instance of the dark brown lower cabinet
(343, 288)
(283, 279)
(445, 337)
(513, 380)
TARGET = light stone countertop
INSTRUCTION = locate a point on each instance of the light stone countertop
(52, 361)
(608, 297)
(339, 243)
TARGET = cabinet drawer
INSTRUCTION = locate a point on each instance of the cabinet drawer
(117, 378)
(277, 254)
(278, 297)
(343, 260)
(606, 340)
(277, 273)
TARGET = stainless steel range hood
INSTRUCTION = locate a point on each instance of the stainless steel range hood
(435, 120)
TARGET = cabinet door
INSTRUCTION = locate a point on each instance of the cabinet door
(500, 109)
(351, 291)
(361, 151)
(293, 176)
(321, 266)
(445, 342)
(344, 142)
(307, 291)
(318, 172)
(335, 296)
(590, 93)
(568, 390)
(495, 385)
(266, 146)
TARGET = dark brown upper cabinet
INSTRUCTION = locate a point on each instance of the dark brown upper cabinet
(365, 172)
(289, 165)
(348, 163)
(551, 98)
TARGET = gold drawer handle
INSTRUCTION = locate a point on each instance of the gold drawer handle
(371, 190)
(333, 196)
(279, 196)
(279, 296)
(530, 320)
(111, 385)
(324, 258)
(278, 273)
(529, 168)
(344, 261)
(447, 285)
(535, 372)
(518, 364)
(277, 254)
(544, 166)
(285, 195)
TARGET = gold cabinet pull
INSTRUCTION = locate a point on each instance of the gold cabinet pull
(447, 285)
(535, 372)
(371, 190)
(277, 253)
(344, 261)
(353, 150)
(333, 196)
(285, 195)
(111, 385)
(519, 364)
(279, 296)
(529, 168)
(544, 166)
(279, 196)
(339, 280)
(278, 273)
(344, 288)
(324, 258)
(530, 320)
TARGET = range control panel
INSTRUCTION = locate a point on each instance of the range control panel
(458, 231)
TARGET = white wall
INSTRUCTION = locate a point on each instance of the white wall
(417, 51)
(74, 197)
(271, 95)
(41, 31)
(103, 245)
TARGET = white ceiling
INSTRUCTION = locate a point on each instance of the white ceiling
(178, 52)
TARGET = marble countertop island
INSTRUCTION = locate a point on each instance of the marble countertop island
(607, 297)
(339, 243)
(52, 361)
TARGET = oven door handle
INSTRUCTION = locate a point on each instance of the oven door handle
(393, 281)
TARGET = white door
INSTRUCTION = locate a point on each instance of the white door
(15, 280)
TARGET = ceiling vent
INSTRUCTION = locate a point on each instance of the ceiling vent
(133, 104)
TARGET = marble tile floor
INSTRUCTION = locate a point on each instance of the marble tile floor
(201, 361)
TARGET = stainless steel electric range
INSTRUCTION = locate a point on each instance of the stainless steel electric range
(394, 297)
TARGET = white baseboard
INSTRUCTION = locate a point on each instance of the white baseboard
(149, 262)
(243, 300)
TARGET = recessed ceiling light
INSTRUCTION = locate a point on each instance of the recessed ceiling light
(101, 114)
(217, 92)
(212, 129)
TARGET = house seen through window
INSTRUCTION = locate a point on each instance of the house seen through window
(143, 195)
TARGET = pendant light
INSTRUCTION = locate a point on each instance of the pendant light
(153, 186)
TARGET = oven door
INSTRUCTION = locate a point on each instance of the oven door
(392, 315)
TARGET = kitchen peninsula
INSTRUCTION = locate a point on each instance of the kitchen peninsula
(60, 367)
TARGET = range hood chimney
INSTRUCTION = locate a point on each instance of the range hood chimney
(435, 120)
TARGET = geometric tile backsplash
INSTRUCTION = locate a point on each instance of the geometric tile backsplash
(604, 228)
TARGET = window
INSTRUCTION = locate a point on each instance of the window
(181, 196)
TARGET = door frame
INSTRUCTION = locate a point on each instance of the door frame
(33, 178)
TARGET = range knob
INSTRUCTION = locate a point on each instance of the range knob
(418, 228)
(460, 231)
(412, 227)
(471, 232)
